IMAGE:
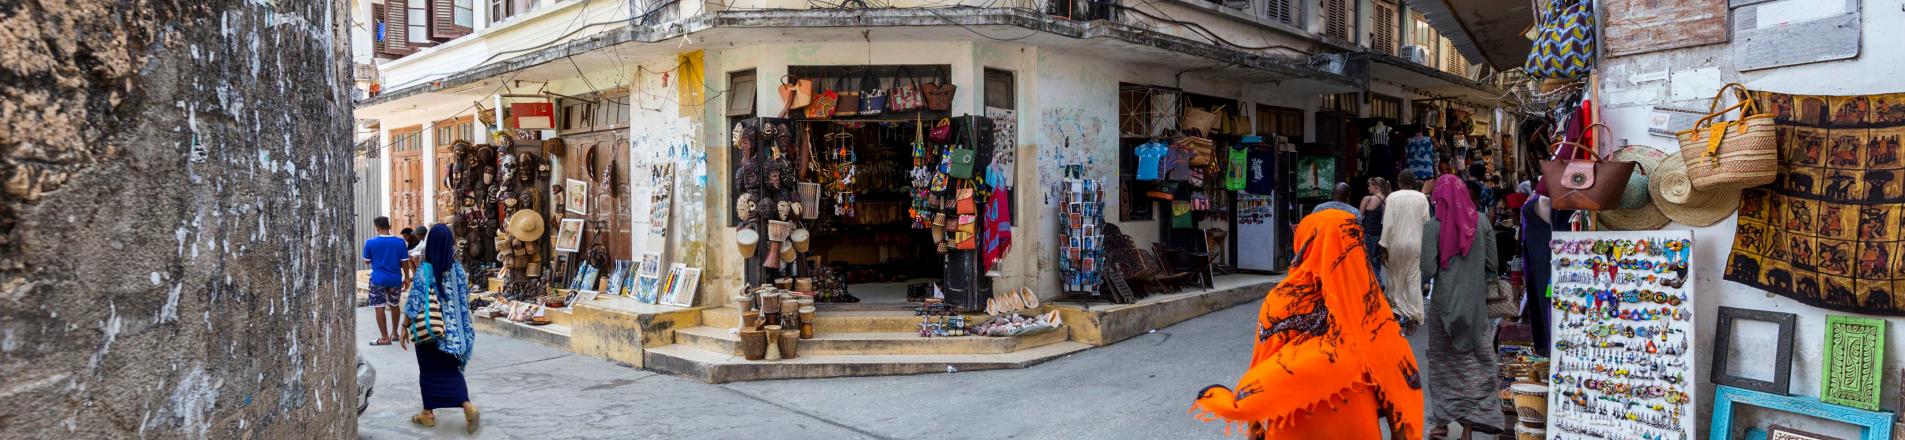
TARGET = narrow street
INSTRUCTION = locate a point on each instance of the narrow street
(1136, 389)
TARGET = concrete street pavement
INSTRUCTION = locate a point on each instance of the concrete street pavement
(1136, 389)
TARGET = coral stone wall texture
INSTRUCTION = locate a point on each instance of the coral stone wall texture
(175, 213)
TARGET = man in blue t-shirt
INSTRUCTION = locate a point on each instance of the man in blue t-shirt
(386, 254)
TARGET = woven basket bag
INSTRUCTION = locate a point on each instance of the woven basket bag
(1730, 155)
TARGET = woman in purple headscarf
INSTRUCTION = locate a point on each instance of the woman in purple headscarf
(1458, 254)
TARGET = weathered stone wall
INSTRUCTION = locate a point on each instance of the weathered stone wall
(175, 248)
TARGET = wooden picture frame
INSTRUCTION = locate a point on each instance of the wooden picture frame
(569, 235)
(575, 195)
(1854, 362)
(1873, 425)
(684, 280)
(1777, 432)
(1782, 362)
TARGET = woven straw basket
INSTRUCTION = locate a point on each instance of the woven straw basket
(1745, 154)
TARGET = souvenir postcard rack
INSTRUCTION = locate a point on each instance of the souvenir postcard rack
(1081, 241)
(1624, 327)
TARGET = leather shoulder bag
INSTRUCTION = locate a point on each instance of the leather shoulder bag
(1586, 183)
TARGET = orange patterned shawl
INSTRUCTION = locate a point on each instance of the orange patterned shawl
(1324, 334)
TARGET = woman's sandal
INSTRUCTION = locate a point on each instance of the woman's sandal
(471, 416)
(427, 421)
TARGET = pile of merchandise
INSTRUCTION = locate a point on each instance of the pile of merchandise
(773, 321)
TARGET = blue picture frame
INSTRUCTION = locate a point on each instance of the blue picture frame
(1873, 425)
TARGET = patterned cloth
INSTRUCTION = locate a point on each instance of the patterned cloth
(459, 338)
(1461, 383)
(1421, 155)
(380, 296)
(1830, 232)
(1329, 356)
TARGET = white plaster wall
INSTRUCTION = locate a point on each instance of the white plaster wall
(539, 28)
(1880, 68)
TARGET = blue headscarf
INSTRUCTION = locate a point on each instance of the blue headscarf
(441, 250)
(441, 279)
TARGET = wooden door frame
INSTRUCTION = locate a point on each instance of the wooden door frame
(398, 171)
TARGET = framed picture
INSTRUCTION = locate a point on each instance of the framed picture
(670, 282)
(1730, 359)
(646, 287)
(1777, 432)
(1873, 425)
(1854, 362)
(650, 264)
(575, 196)
(569, 235)
(685, 280)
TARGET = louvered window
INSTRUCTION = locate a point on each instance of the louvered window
(1281, 11)
(1336, 19)
(1452, 60)
(396, 35)
(450, 18)
(1383, 40)
(417, 22)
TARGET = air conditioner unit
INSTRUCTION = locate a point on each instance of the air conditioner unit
(1417, 54)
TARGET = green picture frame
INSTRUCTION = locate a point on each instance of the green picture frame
(1854, 362)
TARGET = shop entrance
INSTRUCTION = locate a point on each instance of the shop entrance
(866, 211)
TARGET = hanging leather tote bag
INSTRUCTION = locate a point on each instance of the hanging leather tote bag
(939, 93)
(1587, 183)
(942, 131)
(849, 103)
(795, 93)
(905, 96)
(1564, 40)
(1504, 300)
(1729, 155)
(872, 95)
(822, 105)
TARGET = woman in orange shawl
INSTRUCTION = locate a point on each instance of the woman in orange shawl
(1330, 358)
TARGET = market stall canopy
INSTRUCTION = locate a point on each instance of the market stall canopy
(1493, 32)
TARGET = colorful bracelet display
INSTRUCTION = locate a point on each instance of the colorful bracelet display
(1623, 319)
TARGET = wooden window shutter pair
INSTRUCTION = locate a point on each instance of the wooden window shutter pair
(1384, 37)
(1336, 19)
(443, 24)
(396, 20)
(1281, 11)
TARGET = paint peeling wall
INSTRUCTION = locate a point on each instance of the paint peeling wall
(1630, 96)
(175, 243)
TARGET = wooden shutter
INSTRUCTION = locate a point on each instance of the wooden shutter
(1281, 11)
(1384, 37)
(1452, 60)
(443, 20)
(397, 28)
(1336, 16)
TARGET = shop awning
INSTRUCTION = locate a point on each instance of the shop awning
(1111, 40)
(1491, 32)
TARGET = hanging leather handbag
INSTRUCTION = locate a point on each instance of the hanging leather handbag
(942, 131)
(822, 105)
(1587, 183)
(849, 103)
(963, 158)
(872, 95)
(795, 93)
(1728, 155)
(1564, 40)
(1504, 300)
(939, 93)
(905, 96)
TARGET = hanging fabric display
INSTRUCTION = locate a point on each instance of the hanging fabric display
(1564, 40)
(1828, 231)
(998, 227)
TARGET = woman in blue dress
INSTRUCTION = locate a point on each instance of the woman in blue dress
(441, 357)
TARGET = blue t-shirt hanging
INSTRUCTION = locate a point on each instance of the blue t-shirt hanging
(1421, 158)
(1148, 155)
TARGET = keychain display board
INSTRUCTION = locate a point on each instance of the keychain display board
(1081, 241)
(1624, 364)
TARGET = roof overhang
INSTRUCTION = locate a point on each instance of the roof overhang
(1425, 79)
(1104, 39)
(1491, 32)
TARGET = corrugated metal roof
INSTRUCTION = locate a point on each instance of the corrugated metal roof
(1486, 31)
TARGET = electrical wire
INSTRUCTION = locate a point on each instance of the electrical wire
(544, 44)
(1207, 33)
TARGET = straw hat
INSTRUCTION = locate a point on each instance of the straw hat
(1673, 193)
(525, 225)
(1641, 213)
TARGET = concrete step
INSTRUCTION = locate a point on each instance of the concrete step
(722, 340)
(707, 366)
(865, 321)
(552, 335)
